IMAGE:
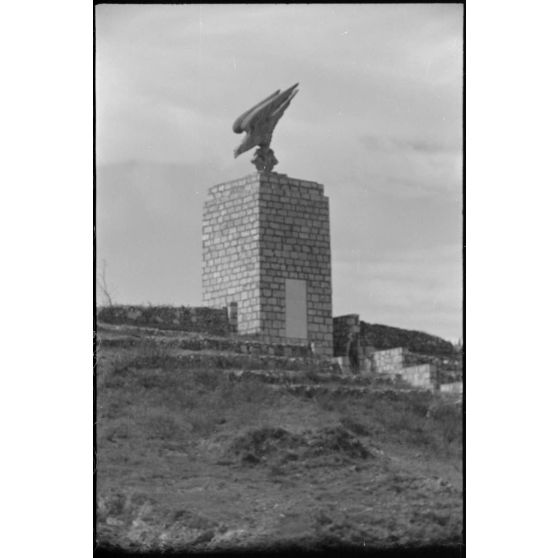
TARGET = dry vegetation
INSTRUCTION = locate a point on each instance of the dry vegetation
(187, 458)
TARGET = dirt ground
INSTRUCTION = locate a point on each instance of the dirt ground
(189, 460)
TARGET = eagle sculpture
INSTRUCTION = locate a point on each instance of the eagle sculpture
(259, 123)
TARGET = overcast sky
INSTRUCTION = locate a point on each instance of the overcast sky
(378, 121)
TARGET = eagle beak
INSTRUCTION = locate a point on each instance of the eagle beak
(239, 151)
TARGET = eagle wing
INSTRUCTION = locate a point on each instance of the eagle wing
(263, 117)
(239, 123)
(280, 109)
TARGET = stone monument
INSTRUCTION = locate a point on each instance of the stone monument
(266, 243)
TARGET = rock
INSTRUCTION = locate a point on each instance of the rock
(205, 537)
(250, 459)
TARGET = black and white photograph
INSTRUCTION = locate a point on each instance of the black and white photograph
(279, 278)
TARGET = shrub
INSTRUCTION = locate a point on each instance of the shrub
(123, 505)
(276, 471)
(209, 379)
(153, 353)
(163, 426)
(150, 379)
(111, 505)
(329, 401)
(253, 391)
(354, 426)
(447, 420)
(183, 397)
(203, 422)
(112, 373)
(312, 375)
(120, 430)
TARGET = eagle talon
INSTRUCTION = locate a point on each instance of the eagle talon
(264, 159)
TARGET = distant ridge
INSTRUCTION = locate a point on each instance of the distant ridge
(387, 337)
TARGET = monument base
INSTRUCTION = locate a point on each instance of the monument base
(266, 248)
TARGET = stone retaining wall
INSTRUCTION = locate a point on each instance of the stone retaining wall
(231, 361)
(233, 345)
(183, 318)
(419, 376)
(455, 387)
(389, 361)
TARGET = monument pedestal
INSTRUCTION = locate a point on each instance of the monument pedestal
(266, 247)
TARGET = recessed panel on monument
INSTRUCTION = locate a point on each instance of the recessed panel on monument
(296, 311)
(266, 246)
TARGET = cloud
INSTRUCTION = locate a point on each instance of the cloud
(410, 166)
(420, 289)
(390, 144)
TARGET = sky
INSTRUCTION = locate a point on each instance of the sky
(377, 120)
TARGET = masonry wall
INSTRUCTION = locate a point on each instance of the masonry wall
(454, 387)
(181, 318)
(231, 245)
(419, 376)
(259, 232)
(389, 361)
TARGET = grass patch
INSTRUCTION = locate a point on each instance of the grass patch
(171, 405)
(417, 419)
(174, 404)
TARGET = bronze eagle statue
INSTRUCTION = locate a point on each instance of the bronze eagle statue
(259, 123)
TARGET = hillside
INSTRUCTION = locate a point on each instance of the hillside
(387, 337)
(216, 444)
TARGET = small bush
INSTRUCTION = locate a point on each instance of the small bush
(355, 426)
(113, 381)
(237, 394)
(113, 373)
(122, 505)
(184, 397)
(312, 375)
(203, 422)
(332, 402)
(253, 391)
(447, 420)
(276, 471)
(118, 431)
(322, 518)
(152, 353)
(163, 426)
(151, 379)
(209, 379)
(337, 440)
(111, 505)
(264, 442)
